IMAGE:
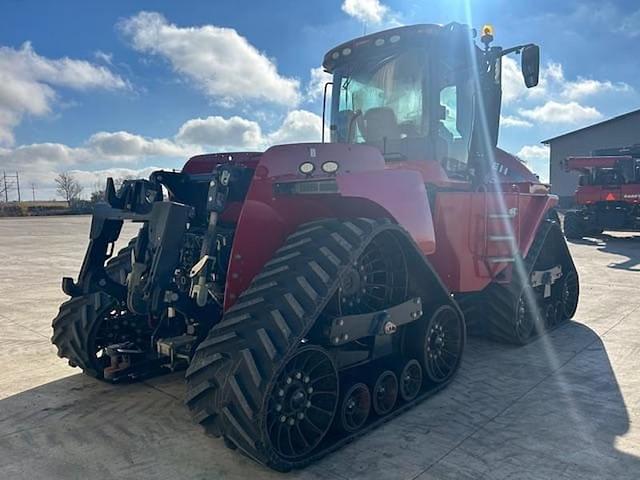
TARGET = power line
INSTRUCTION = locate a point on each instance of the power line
(10, 182)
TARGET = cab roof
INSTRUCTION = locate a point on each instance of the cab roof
(385, 39)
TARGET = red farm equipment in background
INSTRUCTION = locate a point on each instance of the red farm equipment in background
(608, 193)
(316, 290)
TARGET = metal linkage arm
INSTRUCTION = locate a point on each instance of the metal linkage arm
(385, 322)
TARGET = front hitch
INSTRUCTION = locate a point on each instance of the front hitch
(135, 202)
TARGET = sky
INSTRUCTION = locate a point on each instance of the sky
(121, 88)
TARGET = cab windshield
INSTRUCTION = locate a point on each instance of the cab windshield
(409, 106)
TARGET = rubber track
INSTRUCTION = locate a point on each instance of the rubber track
(230, 377)
(499, 300)
(77, 316)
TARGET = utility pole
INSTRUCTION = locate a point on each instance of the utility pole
(33, 190)
(6, 185)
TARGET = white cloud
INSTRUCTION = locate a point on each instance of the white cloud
(533, 152)
(370, 11)
(42, 156)
(553, 84)
(27, 82)
(537, 158)
(556, 99)
(556, 112)
(221, 62)
(584, 87)
(513, 87)
(234, 132)
(39, 163)
(317, 81)
(104, 57)
(298, 126)
(512, 121)
(125, 145)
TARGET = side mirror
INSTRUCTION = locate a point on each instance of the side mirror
(530, 65)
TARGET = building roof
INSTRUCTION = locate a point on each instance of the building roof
(549, 140)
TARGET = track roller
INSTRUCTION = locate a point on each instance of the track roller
(385, 392)
(410, 380)
(355, 407)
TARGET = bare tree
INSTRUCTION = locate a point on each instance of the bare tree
(68, 187)
(97, 194)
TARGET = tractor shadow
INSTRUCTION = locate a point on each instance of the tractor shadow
(628, 246)
(623, 245)
(551, 409)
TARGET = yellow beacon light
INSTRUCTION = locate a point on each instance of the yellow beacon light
(487, 30)
(487, 35)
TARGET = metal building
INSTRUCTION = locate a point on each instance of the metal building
(618, 131)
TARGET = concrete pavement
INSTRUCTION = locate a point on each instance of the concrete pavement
(566, 406)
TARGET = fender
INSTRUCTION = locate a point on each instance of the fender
(363, 189)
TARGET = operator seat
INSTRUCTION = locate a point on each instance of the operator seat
(380, 124)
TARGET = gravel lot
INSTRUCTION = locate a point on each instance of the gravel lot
(564, 407)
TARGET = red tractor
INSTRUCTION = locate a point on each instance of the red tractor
(314, 291)
(608, 194)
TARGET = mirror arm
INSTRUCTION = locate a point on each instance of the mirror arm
(516, 49)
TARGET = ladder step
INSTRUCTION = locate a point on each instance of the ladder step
(501, 259)
(502, 238)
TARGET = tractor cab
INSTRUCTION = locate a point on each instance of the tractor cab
(422, 93)
(626, 171)
(605, 171)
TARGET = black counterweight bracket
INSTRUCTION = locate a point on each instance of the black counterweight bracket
(383, 322)
(135, 196)
(136, 200)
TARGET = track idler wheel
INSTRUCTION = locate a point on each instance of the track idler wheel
(355, 408)
(410, 380)
(527, 321)
(569, 294)
(302, 403)
(385, 392)
(442, 344)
